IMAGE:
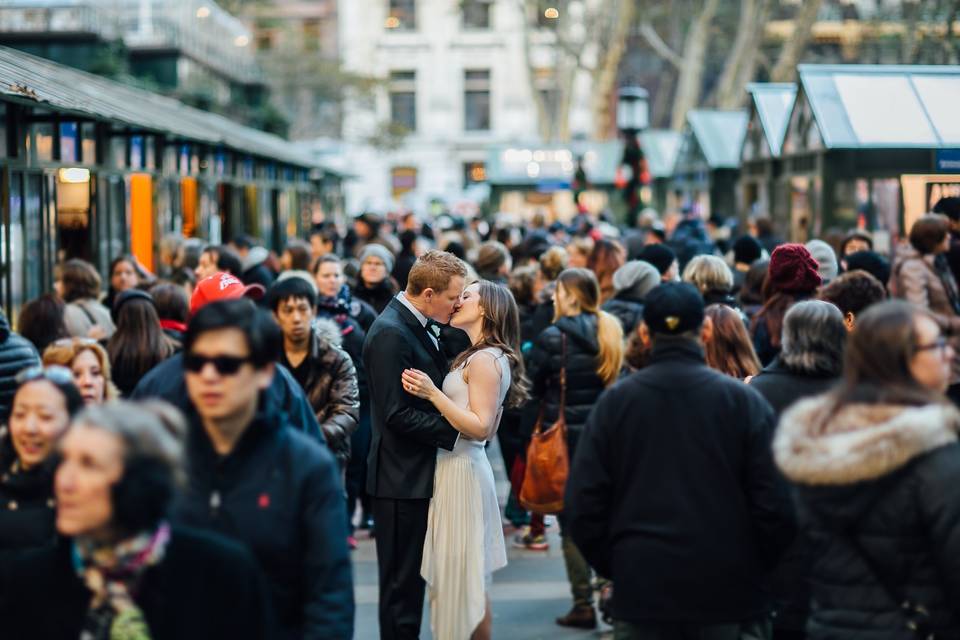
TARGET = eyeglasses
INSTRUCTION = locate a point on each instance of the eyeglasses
(225, 365)
(53, 373)
(940, 344)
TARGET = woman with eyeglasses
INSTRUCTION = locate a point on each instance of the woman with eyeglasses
(89, 364)
(119, 570)
(42, 406)
(876, 465)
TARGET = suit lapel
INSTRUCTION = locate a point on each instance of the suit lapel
(421, 333)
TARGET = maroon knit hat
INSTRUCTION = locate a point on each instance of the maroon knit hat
(793, 270)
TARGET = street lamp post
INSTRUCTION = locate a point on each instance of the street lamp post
(633, 116)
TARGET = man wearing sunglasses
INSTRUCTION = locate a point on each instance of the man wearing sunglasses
(252, 478)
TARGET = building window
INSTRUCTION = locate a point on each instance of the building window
(476, 14)
(474, 173)
(476, 100)
(311, 34)
(402, 15)
(403, 180)
(403, 99)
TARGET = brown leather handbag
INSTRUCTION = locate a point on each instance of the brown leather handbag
(548, 459)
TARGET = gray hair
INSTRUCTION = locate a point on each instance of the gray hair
(813, 338)
(151, 429)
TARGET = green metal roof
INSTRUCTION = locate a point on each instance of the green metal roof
(660, 148)
(773, 102)
(63, 88)
(884, 106)
(720, 135)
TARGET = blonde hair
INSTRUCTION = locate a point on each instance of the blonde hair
(64, 351)
(582, 285)
(552, 262)
(434, 270)
(708, 273)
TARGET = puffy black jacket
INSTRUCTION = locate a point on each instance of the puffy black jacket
(887, 476)
(629, 311)
(584, 386)
(16, 353)
(789, 582)
(279, 493)
(26, 502)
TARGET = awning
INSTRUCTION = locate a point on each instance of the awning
(720, 135)
(773, 102)
(63, 88)
(660, 148)
(884, 106)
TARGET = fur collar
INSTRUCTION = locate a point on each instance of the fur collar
(861, 442)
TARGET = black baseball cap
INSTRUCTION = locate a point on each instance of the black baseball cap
(673, 308)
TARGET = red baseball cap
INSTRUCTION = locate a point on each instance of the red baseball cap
(222, 286)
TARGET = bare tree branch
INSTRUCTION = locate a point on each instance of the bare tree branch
(661, 48)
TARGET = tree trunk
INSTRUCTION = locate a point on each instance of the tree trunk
(690, 84)
(604, 76)
(741, 64)
(786, 67)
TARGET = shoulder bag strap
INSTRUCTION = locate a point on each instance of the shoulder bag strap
(563, 377)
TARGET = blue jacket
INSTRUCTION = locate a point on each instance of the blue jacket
(279, 493)
(166, 382)
(16, 353)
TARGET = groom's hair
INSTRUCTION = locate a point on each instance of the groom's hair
(434, 270)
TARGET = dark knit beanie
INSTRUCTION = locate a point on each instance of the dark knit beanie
(793, 270)
(659, 255)
(747, 250)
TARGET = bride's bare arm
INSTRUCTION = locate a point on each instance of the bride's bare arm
(478, 421)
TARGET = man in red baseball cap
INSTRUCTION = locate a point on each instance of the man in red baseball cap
(222, 286)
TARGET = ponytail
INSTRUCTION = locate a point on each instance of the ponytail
(582, 284)
(610, 338)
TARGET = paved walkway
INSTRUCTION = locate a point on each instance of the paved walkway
(527, 594)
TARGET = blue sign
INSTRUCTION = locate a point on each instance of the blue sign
(549, 186)
(948, 160)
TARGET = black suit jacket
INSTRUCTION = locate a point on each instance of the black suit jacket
(407, 431)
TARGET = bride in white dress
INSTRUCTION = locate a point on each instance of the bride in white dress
(464, 542)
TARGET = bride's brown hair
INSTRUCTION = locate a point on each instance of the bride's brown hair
(501, 329)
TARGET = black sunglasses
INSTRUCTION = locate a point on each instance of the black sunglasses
(53, 373)
(225, 365)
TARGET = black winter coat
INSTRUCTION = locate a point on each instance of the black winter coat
(629, 311)
(887, 476)
(16, 354)
(279, 493)
(782, 386)
(379, 295)
(166, 382)
(673, 493)
(584, 386)
(205, 588)
(789, 582)
(26, 502)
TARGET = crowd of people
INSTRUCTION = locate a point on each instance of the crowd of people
(761, 435)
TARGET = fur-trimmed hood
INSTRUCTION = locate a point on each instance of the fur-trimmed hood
(862, 442)
(328, 331)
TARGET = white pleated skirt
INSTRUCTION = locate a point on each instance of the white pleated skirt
(464, 543)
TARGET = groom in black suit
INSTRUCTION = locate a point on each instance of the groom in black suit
(407, 431)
